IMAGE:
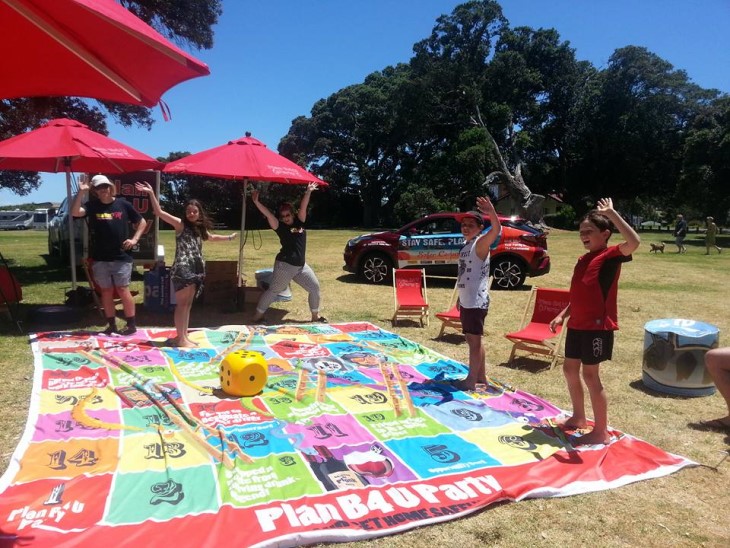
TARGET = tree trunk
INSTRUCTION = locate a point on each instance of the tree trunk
(371, 196)
(531, 205)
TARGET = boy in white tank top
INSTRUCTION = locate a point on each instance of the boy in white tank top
(472, 283)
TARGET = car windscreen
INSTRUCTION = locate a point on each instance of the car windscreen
(444, 225)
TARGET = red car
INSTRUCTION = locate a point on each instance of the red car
(433, 243)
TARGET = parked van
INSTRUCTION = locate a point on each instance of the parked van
(40, 219)
(16, 220)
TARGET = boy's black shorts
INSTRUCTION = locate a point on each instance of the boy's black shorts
(590, 347)
(472, 320)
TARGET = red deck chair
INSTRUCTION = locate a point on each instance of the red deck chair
(409, 292)
(535, 336)
(11, 294)
(450, 318)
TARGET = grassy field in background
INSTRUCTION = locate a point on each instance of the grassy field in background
(685, 509)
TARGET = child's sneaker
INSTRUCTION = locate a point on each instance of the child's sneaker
(110, 331)
(129, 330)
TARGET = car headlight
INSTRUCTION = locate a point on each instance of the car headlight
(354, 241)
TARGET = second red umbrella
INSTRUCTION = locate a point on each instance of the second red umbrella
(64, 145)
(245, 159)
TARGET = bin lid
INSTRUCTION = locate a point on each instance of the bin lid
(686, 328)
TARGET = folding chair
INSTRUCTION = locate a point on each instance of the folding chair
(452, 317)
(96, 289)
(409, 292)
(11, 294)
(535, 336)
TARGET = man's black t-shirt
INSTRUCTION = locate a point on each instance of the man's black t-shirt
(680, 229)
(110, 226)
(293, 240)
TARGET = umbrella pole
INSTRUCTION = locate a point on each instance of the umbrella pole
(239, 273)
(71, 235)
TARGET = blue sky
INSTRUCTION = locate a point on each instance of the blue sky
(273, 60)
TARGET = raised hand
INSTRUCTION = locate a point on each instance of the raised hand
(604, 204)
(141, 186)
(83, 183)
(312, 186)
(484, 205)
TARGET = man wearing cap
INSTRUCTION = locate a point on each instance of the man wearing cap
(473, 285)
(109, 219)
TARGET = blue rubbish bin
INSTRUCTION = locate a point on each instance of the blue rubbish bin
(674, 356)
(263, 280)
(158, 293)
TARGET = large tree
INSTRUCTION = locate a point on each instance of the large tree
(634, 123)
(478, 100)
(506, 95)
(353, 140)
(530, 88)
(380, 138)
(706, 162)
(187, 22)
(446, 92)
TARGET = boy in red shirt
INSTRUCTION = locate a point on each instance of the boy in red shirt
(593, 315)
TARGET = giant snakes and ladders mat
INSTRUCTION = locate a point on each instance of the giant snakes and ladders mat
(357, 433)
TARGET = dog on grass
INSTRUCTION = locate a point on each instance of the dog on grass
(656, 247)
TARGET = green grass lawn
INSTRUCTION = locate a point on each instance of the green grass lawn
(685, 509)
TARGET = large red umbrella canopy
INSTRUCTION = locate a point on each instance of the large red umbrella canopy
(50, 147)
(87, 48)
(241, 159)
(67, 145)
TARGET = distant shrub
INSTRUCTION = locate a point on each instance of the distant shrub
(417, 202)
(563, 219)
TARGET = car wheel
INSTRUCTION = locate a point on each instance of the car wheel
(63, 252)
(52, 251)
(509, 273)
(375, 268)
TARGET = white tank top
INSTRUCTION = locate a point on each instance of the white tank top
(473, 276)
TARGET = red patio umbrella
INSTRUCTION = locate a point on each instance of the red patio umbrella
(87, 48)
(67, 145)
(245, 159)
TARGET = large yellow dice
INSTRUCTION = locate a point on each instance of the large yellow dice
(244, 373)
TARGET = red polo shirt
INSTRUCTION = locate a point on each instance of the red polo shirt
(594, 288)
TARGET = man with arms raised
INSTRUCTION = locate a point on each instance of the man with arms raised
(109, 219)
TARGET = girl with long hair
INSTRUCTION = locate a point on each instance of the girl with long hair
(290, 264)
(188, 269)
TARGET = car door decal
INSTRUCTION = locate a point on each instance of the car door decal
(429, 249)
